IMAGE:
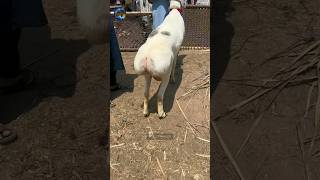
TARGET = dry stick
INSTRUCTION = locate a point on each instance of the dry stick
(248, 79)
(308, 140)
(185, 117)
(302, 80)
(291, 83)
(309, 100)
(278, 55)
(194, 89)
(205, 140)
(250, 85)
(295, 54)
(258, 120)
(317, 115)
(253, 97)
(269, 80)
(203, 155)
(227, 151)
(164, 175)
(261, 93)
(301, 146)
(317, 43)
(299, 133)
(283, 85)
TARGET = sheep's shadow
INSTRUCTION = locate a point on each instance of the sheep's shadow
(53, 61)
(170, 93)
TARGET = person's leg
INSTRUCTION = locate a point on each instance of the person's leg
(12, 77)
(116, 62)
(9, 63)
(10, 66)
(160, 8)
(114, 47)
(113, 73)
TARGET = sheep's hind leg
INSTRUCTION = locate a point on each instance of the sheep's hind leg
(173, 78)
(146, 95)
(161, 91)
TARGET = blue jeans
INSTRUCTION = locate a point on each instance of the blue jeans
(115, 54)
(160, 9)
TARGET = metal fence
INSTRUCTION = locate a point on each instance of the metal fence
(132, 32)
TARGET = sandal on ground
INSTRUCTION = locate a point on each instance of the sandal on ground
(25, 79)
(6, 135)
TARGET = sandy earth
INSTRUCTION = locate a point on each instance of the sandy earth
(174, 147)
(256, 32)
(61, 119)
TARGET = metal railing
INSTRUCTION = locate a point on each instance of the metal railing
(132, 32)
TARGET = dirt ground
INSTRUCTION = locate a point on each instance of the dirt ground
(254, 42)
(150, 148)
(60, 120)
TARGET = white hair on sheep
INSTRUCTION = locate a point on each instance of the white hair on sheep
(156, 58)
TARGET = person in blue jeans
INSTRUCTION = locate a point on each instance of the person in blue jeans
(161, 8)
(116, 62)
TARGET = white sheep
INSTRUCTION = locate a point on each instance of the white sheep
(158, 55)
(93, 20)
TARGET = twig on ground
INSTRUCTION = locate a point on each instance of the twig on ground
(309, 100)
(277, 55)
(301, 146)
(203, 139)
(117, 145)
(159, 164)
(257, 121)
(187, 120)
(227, 151)
(205, 83)
(258, 94)
(317, 112)
(203, 155)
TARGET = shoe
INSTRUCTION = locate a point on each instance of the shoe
(6, 135)
(16, 84)
(115, 87)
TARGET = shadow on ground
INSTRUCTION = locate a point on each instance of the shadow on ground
(53, 62)
(223, 32)
(126, 82)
(171, 90)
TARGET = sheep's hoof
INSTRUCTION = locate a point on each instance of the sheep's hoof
(162, 115)
(146, 114)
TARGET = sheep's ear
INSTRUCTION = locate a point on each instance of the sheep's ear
(93, 20)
